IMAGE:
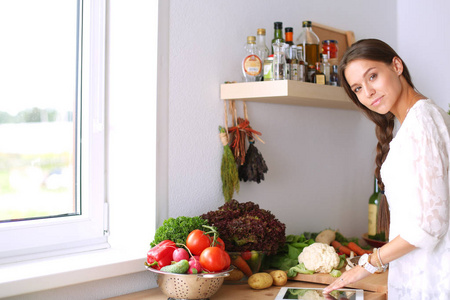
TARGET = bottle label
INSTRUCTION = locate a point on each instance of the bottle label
(372, 230)
(294, 71)
(252, 65)
(301, 72)
(320, 79)
(268, 70)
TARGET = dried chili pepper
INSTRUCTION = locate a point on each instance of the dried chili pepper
(161, 255)
(240, 131)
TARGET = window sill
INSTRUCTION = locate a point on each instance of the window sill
(49, 273)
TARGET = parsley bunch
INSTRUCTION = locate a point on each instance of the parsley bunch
(177, 229)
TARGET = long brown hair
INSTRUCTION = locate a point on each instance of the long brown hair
(375, 50)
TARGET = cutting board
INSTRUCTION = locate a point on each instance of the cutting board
(374, 282)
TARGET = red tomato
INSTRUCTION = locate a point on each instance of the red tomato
(214, 259)
(228, 260)
(246, 255)
(220, 244)
(197, 241)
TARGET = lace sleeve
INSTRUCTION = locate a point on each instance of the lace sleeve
(429, 183)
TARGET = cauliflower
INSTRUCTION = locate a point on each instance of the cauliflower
(319, 257)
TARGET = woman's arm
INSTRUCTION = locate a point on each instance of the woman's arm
(389, 252)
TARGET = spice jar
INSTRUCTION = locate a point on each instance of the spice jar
(330, 47)
(268, 68)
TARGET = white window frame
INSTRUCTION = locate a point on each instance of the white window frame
(39, 238)
(136, 205)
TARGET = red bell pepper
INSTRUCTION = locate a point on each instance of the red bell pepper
(161, 255)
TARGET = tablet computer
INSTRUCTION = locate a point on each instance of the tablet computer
(316, 293)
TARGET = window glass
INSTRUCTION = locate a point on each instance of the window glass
(52, 136)
(38, 110)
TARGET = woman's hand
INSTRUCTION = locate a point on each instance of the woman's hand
(353, 275)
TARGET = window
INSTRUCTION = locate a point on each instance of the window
(52, 154)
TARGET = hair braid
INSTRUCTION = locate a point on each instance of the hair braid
(384, 132)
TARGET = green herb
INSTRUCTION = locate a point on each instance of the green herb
(228, 169)
(287, 256)
(344, 241)
(177, 229)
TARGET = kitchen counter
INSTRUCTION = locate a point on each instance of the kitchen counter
(240, 292)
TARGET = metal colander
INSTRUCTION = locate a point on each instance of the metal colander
(189, 286)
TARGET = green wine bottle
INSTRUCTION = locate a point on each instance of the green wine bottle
(373, 211)
(278, 34)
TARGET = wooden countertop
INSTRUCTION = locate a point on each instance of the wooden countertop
(240, 292)
(375, 282)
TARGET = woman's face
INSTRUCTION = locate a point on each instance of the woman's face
(376, 84)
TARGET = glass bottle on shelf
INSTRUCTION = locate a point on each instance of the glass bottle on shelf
(289, 35)
(279, 61)
(278, 34)
(326, 68)
(301, 69)
(251, 64)
(288, 56)
(318, 77)
(310, 43)
(334, 78)
(294, 63)
(373, 211)
(263, 51)
(310, 70)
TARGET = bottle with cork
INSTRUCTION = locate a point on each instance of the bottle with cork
(277, 34)
(251, 64)
(310, 43)
(263, 51)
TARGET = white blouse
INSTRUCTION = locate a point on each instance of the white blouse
(416, 178)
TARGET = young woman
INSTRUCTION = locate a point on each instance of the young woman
(412, 169)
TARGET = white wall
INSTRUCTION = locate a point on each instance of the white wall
(320, 160)
(423, 42)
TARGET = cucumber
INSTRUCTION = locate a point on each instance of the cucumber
(180, 267)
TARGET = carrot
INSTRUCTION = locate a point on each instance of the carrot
(242, 265)
(340, 248)
(355, 248)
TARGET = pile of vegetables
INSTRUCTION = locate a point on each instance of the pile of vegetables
(178, 229)
(246, 227)
(200, 252)
(308, 253)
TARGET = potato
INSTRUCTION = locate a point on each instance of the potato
(279, 277)
(235, 275)
(259, 281)
(326, 236)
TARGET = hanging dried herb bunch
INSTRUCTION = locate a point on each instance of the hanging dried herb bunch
(254, 166)
(228, 169)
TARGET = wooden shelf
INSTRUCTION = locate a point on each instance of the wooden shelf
(288, 92)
